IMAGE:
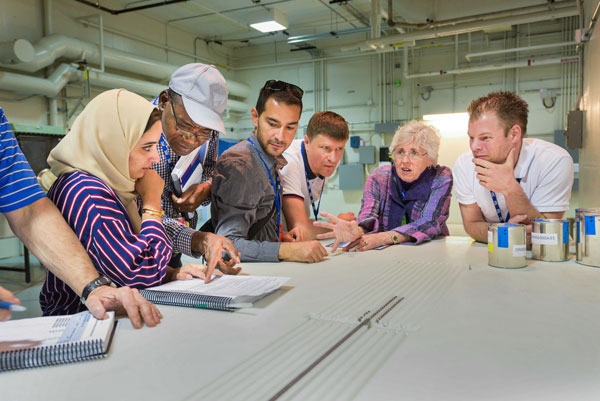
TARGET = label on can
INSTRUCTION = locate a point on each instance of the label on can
(490, 237)
(544, 238)
(565, 232)
(502, 237)
(590, 225)
(490, 247)
(519, 250)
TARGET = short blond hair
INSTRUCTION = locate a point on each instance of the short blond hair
(422, 134)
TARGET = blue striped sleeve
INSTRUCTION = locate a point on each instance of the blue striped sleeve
(18, 184)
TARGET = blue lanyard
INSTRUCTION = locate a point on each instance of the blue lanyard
(398, 187)
(312, 201)
(276, 188)
(166, 152)
(498, 211)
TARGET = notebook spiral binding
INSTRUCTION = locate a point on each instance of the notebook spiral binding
(51, 355)
(188, 300)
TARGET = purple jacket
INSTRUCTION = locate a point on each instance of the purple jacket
(428, 217)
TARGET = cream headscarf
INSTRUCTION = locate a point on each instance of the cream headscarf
(100, 141)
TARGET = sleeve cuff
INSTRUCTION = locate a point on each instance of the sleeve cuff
(293, 196)
(183, 242)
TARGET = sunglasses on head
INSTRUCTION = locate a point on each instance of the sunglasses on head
(276, 85)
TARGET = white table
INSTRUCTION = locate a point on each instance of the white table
(464, 332)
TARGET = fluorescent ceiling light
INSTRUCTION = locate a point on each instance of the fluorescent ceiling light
(268, 26)
(450, 125)
(270, 20)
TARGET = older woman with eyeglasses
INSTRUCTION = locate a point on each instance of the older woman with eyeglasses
(407, 202)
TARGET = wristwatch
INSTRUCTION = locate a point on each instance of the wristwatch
(97, 282)
(394, 236)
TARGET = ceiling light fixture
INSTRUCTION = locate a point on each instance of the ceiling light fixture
(269, 20)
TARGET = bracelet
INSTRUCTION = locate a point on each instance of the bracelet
(153, 212)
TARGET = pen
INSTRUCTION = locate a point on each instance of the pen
(12, 307)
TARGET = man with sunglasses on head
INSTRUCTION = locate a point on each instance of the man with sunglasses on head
(191, 119)
(246, 192)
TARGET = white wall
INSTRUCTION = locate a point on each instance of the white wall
(353, 90)
(24, 19)
(590, 154)
(353, 84)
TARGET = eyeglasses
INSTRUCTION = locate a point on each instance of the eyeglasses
(276, 85)
(412, 155)
(187, 135)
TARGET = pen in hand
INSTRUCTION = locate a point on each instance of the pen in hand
(12, 307)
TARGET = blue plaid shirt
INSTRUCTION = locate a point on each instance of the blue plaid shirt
(179, 233)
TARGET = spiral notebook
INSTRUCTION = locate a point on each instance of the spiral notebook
(226, 293)
(53, 340)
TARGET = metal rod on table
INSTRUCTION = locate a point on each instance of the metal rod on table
(336, 345)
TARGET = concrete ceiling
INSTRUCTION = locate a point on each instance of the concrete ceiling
(226, 20)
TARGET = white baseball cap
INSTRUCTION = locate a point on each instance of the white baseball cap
(204, 93)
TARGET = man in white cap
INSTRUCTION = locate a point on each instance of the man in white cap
(191, 118)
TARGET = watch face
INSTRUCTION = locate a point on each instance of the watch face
(103, 280)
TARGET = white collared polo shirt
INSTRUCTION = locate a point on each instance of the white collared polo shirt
(545, 170)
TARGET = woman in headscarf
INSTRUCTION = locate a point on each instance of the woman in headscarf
(102, 165)
(407, 202)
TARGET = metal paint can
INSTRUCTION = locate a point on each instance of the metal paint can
(550, 240)
(507, 245)
(588, 236)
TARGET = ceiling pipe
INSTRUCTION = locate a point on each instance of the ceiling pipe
(151, 89)
(325, 35)
(53, 47)
(97, 6)
(16, 51)
(390, 16)
(464, 28)
(86, 22)
(375, 19)
(499, 14)
(65, 73)
(518, 49)
(50, 86)
(492, 67)
(47, 14)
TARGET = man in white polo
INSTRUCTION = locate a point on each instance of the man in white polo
(311, 161)
(506, 178)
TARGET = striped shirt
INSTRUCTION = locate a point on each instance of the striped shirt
(18, 185)
(428, 218)
(98, 218)
(179, 233)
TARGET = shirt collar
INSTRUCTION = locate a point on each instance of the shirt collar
(525, 159)
(166, 147)
(278, 162)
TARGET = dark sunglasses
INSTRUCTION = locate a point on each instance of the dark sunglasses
(276, 85)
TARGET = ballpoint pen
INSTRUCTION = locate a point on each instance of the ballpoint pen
(12, 307)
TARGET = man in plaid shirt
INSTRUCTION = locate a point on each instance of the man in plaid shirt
(191, 118)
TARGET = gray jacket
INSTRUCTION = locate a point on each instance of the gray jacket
(241, 196)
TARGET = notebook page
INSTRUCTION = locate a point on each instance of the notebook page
(226, 286)
(51, 330)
